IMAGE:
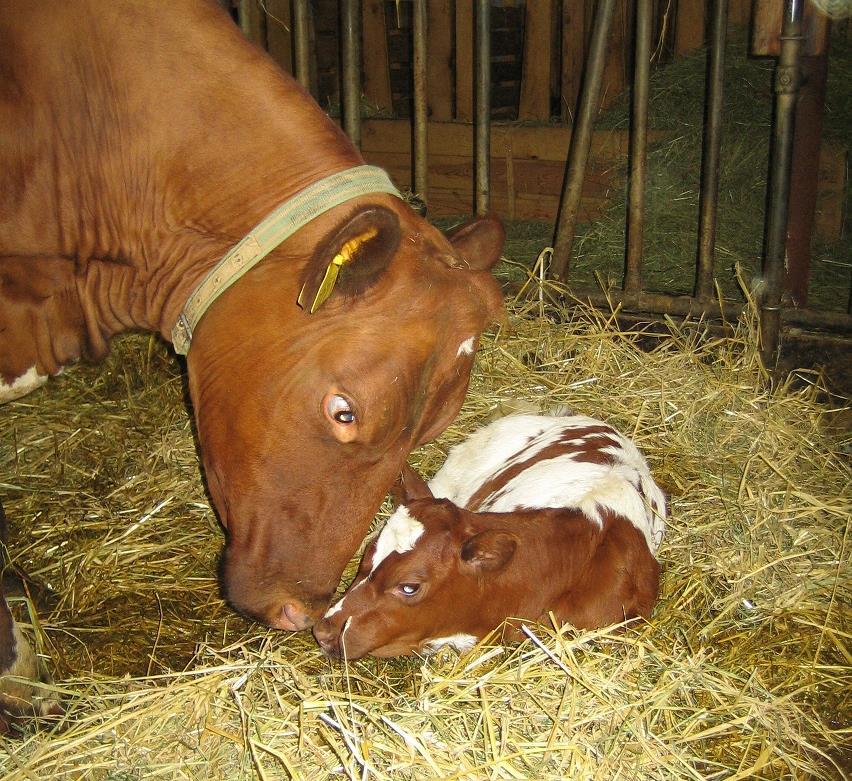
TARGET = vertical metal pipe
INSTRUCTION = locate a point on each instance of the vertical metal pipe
(418, 29)
(638, 146)
(786, 89)
(709, 200)
(581, 140)
(482, 109)
(302, 43)
(350, 31)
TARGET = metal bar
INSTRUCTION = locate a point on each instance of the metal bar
(482, 107)
(709, 199)
(418, 28)
(638, 145)
(302, 43)
(581, 140)
(253, 21)
(804, 176)
(350, 33)
(786, 90)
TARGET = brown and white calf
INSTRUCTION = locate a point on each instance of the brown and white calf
(530, 515)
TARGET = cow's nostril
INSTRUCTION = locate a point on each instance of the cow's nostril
(294, 614)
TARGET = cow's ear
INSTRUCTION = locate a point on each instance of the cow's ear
(489, 551)
(478, 244)
(409, 486)
(352, 258)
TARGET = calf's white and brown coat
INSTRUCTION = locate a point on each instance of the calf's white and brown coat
(530, 515)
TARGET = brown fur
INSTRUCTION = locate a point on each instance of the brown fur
(137, 147)
(478, 569)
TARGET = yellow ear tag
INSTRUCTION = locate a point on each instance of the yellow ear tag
(347, 251)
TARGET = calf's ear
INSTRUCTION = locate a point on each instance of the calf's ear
(489, 551)
(409, 486)
(352, 258)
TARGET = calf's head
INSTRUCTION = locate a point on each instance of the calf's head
(308, 396)
(427, 580)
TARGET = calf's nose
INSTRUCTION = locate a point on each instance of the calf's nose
(326, 635)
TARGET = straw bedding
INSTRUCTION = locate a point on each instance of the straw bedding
(743, 672)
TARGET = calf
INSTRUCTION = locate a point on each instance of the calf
(20, 669)
(531, 514)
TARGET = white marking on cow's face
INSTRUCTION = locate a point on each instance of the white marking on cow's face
(398, 536)
(466, 347)
(461, 642)
(21, 386)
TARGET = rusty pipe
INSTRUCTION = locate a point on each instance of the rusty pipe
(786, 90)
(581, 140)
(638, 146)
(420, 129)
(711, 151)
(350, 100)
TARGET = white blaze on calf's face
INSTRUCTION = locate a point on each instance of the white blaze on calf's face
(399, 535)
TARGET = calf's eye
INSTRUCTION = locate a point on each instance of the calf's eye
(408, 589)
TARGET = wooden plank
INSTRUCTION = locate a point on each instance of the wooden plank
(439, 60)
(377, 85)
(464, 60)
(739, 11)
(535, 79)
(615, 70)
(689, 26)
(573, 56)
(279, 35)
(541, 143)
(832, 182)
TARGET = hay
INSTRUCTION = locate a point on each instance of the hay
(670, 236)
(743, 673)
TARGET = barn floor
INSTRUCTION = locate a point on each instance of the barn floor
(744, 671)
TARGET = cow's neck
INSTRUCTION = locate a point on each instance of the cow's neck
(204, 212)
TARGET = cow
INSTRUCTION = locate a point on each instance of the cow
(532, 515)
(149, 157)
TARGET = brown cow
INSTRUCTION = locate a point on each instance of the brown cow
(535, 514)
(139, 142)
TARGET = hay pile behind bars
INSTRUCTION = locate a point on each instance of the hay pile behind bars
(743, 672)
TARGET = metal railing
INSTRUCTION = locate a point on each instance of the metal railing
(632, 298)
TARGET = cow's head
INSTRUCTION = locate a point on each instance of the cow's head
(305, 417)
(426, 580)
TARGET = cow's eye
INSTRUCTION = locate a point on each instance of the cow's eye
(408, 589)
(339, 410)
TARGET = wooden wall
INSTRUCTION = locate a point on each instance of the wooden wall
(538, 51)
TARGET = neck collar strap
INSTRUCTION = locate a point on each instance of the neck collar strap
(282, 223)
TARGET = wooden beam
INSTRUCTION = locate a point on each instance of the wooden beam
(573, 56)
(464, 60)
(377, 86)
(689, 25)
(615, 70)
(535, 78)
(279, 33)
(439, 60)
